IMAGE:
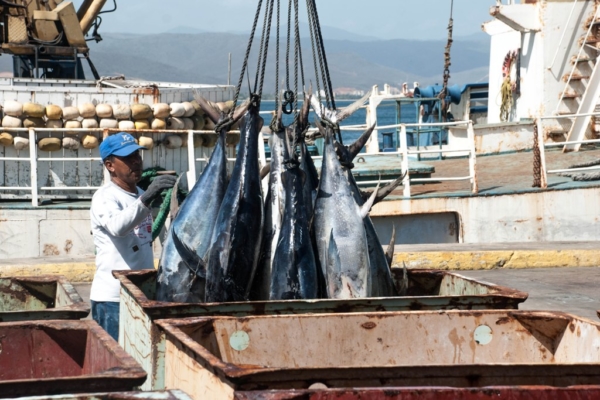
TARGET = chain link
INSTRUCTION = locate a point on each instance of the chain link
(537, 158)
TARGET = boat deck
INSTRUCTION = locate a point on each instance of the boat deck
(509, 173)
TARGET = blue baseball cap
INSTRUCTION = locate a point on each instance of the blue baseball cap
(120, 144)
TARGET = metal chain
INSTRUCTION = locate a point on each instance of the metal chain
(537, 160)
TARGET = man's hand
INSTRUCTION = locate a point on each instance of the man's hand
(159, 184)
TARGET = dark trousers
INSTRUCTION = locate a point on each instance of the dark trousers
(106, 314)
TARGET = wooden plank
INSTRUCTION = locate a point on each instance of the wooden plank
(68, 17)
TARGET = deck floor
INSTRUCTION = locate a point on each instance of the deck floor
(501, 174)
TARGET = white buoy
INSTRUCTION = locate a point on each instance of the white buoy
(70, 143)
(126, 125)
(109, 123)
(189, 109)
(11, 122)
(89, 123)
(104, 111)
(13, 108)
(21, 143)
(122, 111)
(70, 113)
(177, 109)
(173, 142)
(87, 110)
(161, 110)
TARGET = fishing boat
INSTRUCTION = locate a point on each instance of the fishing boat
(499, 168)
(486, 171)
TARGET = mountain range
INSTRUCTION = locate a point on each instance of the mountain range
(356, 62)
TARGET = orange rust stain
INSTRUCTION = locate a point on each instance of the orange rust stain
(369, 325)
(51, 250)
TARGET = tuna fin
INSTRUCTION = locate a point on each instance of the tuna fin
(357, 146)
(364, 211)
(384, 191)
(351, 109)
(174, 207)
(213, 114)
(389, 254)
(241, 110)
(189, 257)
(337, 116)
(265, 171)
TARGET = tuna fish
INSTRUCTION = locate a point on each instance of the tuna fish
(340, 231)
(382, 283)
(294, 269)
(176, 282)
(236, 240)
(274, 205)
(192, 228)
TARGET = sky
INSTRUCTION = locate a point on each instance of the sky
(383, 19)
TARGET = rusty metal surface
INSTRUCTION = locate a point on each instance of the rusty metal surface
(424, 348)
(40, 297)
(58, 357)
(156, 395)
(433, 393)
(424, 290)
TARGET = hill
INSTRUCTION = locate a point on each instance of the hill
(202, 57)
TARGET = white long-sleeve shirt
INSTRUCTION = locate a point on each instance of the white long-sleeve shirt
(122, 229)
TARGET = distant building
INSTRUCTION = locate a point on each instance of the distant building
(348, 92)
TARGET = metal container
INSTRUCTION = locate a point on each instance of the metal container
(434, 393)
(211, 357)
(40, 297)
(429, 290)
(56, 357)
(163, 395)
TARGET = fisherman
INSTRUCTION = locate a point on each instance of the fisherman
(121, 222)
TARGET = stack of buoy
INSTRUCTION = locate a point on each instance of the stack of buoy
(179, 116)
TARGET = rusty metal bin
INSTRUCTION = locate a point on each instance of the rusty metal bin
(215, 356)
(429, 290)
(433, 393)
(62, 356)
(159, 395)
(39, 298)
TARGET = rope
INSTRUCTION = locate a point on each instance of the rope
(323, 59)
(447, 62)
(537, 160)
(314, 53)
(245, 63)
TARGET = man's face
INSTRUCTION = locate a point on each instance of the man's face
(127, 169)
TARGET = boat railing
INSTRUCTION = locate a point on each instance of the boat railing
(542, 146)
(405, 152)
(33, 158)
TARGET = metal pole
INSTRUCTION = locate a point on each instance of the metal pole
(404, 150)
(191, 175)
(229, 71)
(472, 158)
(33, 171)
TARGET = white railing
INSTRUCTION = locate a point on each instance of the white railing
(33, 157)
(405, 153)
(542, 147)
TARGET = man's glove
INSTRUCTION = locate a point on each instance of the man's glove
(159, 184)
